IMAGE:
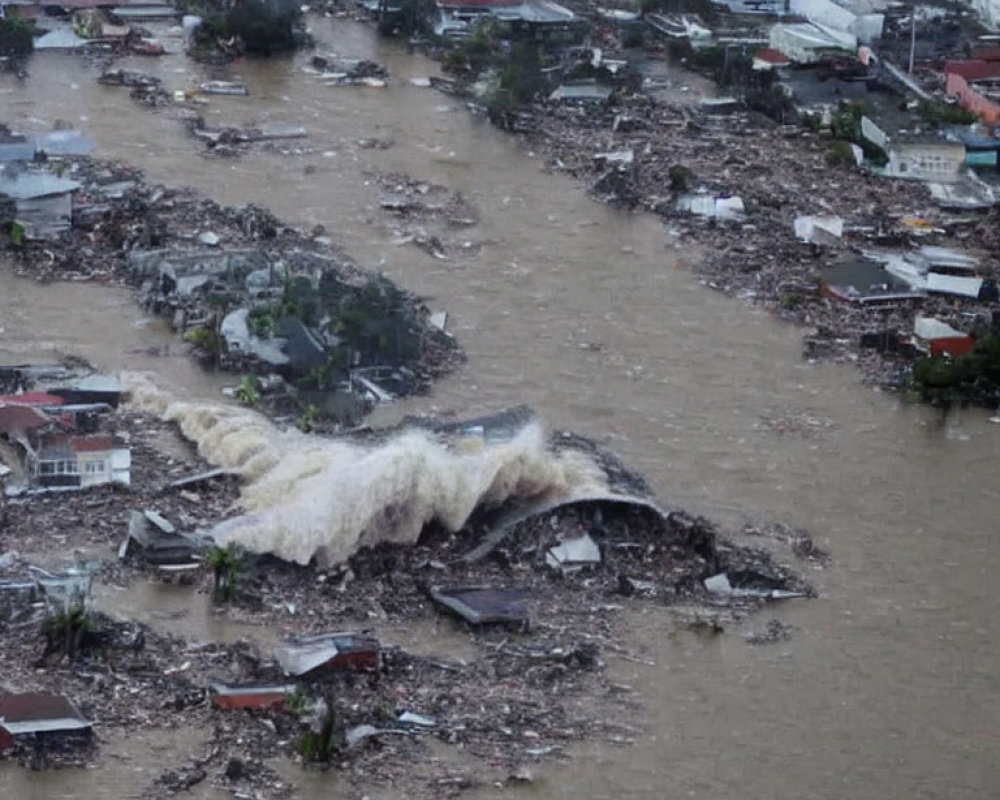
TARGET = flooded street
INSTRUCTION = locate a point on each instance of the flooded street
(888, 687)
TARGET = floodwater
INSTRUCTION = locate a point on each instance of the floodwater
(888, 687)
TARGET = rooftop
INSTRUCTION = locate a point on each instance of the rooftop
(29, 185)
(35, 711)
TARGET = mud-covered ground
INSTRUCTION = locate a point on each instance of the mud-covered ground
(518, 694)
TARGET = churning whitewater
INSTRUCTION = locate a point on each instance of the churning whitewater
(309, 497)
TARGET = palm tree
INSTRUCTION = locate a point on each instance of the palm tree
(247, 393)
(227, 566)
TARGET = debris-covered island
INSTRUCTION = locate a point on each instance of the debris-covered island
(311, 336)
(842, 171)
(527, 548)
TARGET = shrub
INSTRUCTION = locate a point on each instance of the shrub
(937, 114)
(227, 569)
(840, 154)
(265, 27)
(15, 37)
(247, 393)
(681, 178)
(204, 339)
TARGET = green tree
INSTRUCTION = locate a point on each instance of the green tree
(247, 392)
(227, 567)
(64, 631)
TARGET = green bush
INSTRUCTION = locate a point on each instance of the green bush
(936, 113)
(681, 178)
(204, 339)
(247, 393)
(519, 80)
(972, 378)
(264, 28)
(261, 321)
(15, 37)
(840, 154)
(227, 567)
(64, 632)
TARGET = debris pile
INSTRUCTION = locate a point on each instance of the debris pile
(426, 215)
(556, 573)
(299, 308)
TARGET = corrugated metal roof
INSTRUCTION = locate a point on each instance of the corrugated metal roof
(39, 708)
(29, 185)
(951, 284)
(59, 39)
(45, 725)
(930, 328)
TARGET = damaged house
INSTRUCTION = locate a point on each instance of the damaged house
(938, 161)
(39, 205)
(77, 462)
(532, 18)
(311, 655)
(154, 541)
(48, 444)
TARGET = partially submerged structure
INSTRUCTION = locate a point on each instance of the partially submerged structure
(42, 722)
(327, 652)
(65, 461)
(484, 605)
(865, 282)
(40, 203)
(254, 696)
(935, 338)
(154, 541)
(534, 18)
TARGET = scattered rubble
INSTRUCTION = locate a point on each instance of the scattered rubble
(774, 631)
(562, 574)
(128, 231)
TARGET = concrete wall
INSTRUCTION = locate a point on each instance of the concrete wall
(926, 161)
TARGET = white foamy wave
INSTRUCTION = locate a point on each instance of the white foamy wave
(309, 497)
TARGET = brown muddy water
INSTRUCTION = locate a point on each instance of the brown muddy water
(888, 687)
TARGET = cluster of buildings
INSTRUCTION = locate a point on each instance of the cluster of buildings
(72, 24)
(59, 438)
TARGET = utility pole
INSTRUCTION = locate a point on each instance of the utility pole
(913, 35)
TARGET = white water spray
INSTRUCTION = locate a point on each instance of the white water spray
(307, 496)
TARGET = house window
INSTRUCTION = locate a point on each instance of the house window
(95, 467)
(57, 468)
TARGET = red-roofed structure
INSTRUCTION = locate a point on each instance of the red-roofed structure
(974, 69)
(90, 444)
(18, 420)
(31, 399)
(39, 714)
(69, 461)
(771, 56)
